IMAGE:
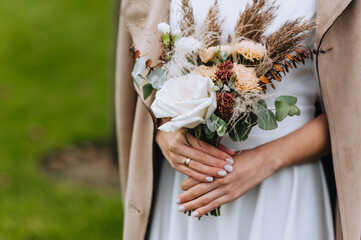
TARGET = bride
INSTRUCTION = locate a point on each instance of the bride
(274, 188)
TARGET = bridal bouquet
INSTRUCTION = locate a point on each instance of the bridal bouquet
(212, 89)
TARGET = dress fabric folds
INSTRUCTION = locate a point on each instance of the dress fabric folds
(293, 203)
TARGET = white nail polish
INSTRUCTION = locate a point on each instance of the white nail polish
(229, 168)
(229, 161)
(222, 173)
(209, 179)
(178, 201)
(181, 209)
(195, 214)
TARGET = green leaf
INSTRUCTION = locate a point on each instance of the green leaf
(166, 41)
(243, 128)
(186, 136)
(262, 103)
(138, 69)
(147, 90)
(221, 127)
(211, 124)
(226, 88)
(208, 132)
(231, 85)
(233, 78)
(175, 38)
(215, 88)
(294, 111)
(156, 78)
(282, 110)
(219, 84)
(266, 118)
(198, 133)
(290, 100)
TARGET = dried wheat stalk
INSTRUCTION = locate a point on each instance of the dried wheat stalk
(254, 20)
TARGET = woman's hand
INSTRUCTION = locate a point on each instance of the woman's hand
(206, 161)
(251, 167)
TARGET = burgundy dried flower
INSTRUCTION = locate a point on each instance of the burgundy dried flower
(225, 103)
(225, 71)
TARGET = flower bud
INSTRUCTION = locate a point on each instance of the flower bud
(163, 28)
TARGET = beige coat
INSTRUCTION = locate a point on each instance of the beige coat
(339, 28)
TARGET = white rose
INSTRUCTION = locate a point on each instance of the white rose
(163, 28)
(189, 100)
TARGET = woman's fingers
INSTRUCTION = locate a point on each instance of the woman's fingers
(195, 175)
(217, 202)
(206, 201)
(187, 184)
(210, 150)
(207, 170)
(196, 192)
(206, 159)
(227, 150)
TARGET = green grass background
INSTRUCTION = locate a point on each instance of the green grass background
(56, 70)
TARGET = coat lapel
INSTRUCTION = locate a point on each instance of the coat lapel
(141, 18)
(327, 13)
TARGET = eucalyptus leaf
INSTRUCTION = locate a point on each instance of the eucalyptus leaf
(214, 117)
(242, 129)
(290, 100)
(262, 103)
(282, 110)
(208, 132)
(138, 69)
(224, 56)
(156, 78)
(231, 85)
(294, 111)
(266, 118)
(211, 124)
(147, 90)
(221, 127)
(215, 88)
(226, 88)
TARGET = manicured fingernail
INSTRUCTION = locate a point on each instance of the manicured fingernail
(229, 160)
(209, 179)
(222, 173)
(195, 214)
(178, 201)
(229, 168)
(181, 209)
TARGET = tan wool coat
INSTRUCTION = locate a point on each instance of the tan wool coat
(339, 28)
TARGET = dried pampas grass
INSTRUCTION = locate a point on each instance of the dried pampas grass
(285, 40)
(187, 23)
(211, 27)
(253, 21)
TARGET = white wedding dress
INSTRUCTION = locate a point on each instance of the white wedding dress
(293, 203)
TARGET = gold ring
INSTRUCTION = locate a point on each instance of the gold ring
(186, 162)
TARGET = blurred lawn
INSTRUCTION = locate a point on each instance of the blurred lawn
(56, 60)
